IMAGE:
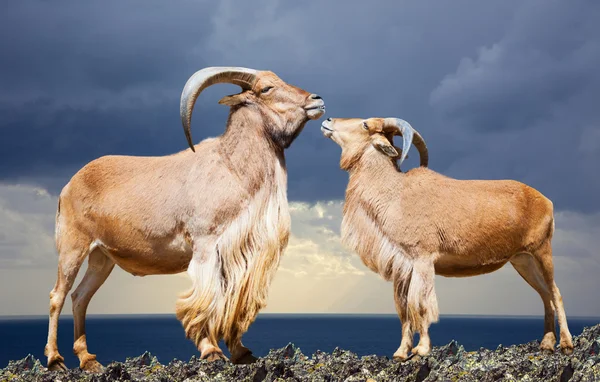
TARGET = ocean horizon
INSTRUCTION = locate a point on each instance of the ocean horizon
(117, 337)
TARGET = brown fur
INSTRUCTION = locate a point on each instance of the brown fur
(220, 213)
(407, 227)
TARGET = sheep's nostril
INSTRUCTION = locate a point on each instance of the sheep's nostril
(315, 96)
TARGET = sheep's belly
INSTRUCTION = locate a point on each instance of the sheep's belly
(454, 266)
(144, 264)
(153, 257)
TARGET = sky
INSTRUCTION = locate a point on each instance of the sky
(499, 90)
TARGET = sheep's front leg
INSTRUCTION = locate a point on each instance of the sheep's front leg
(424, 346)
(239, 353)
(233, 339)
(423, 288)
(423, 301)
(407, 341)
(200, 309)
(416, 303)
(400, 294)
(210, 351)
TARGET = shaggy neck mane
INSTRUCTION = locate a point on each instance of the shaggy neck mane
(232, 287)
(365, 204)
(365, 187)
(247, 147)
(366, 192)
(368, 168)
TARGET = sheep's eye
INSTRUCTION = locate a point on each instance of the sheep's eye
(265, 90)
(366, 127)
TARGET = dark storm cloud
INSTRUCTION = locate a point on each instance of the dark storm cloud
(81, 54)
(83, 80)
(527, 105)
(549, 54)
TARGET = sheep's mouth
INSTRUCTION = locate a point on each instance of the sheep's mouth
(326, 130)
(315, 109)
(315, 112)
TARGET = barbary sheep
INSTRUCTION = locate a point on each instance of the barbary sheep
(410, 226)
(219, 211)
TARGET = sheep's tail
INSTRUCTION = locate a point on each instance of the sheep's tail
(57, 223)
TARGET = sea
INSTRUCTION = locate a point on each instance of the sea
(115, 338)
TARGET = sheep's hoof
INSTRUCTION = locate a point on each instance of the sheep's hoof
(57, 364)
(420, 351)
(215, 356)
(566, 349)
(246, 359)
(402, 356)
(548, 342)
(92, 366)
(546, 351)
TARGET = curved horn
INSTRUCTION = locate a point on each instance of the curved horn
(409, 136)
(204, 78)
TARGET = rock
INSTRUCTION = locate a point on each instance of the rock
(146, 359)
(445, 363)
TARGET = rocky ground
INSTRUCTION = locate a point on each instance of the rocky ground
(446, 363)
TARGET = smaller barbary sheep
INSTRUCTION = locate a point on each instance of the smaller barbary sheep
(408, 227)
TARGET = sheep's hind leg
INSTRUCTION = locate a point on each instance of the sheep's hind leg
(544, 257)
(99, 268)
(71, 255)
(530, 269)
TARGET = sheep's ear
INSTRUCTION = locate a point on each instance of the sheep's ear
(399, 150)
(381, 143)
(233, 100)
